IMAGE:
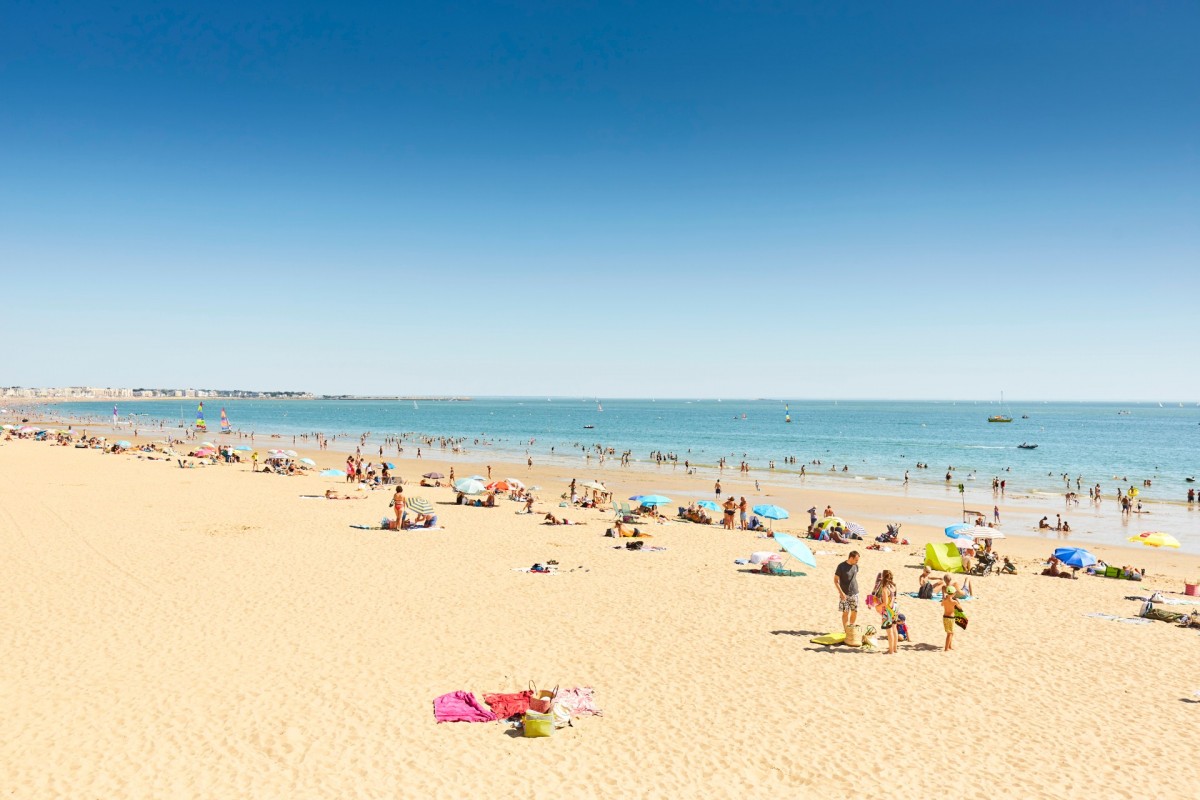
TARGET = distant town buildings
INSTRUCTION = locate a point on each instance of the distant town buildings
(110, 393)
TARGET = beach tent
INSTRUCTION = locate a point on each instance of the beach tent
(943, 557)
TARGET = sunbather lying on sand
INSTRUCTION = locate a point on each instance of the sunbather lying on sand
(330, 494)
(550, 519)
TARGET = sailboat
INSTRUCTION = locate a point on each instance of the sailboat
(599, 406)
(201, 425)
(414, 405)
(1001, 417)
(225, 426)
(787, 417)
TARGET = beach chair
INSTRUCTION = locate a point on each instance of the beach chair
(623, 510)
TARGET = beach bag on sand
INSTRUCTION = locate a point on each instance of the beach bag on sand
(854, 635)
(536, 725)
(542, 700)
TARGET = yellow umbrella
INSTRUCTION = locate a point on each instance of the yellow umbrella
(830, 521)
(1155, 539)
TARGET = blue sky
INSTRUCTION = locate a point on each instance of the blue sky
(717, 199)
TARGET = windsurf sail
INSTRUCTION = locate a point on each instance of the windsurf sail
(787, 417)
(114, 415)
(201, 425)
(225, 426)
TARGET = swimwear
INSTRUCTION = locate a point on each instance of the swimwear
(849, 604)
(948, 624)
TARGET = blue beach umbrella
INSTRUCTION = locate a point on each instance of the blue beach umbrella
(709, 504)
(123, 443)
(771, 512)
(308, 461)
(389, 465)
(637, 497)
(1074, 556)
(655, 500)
(961, 529)
(245, 448)
(332, 473)
(796, 549)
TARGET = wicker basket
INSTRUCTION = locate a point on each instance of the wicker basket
(854, 635)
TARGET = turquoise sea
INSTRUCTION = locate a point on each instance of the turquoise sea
(1104, 443)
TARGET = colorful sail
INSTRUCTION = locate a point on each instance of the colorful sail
(114, 415)
(787, 417)
(225, 426)
(201, 425)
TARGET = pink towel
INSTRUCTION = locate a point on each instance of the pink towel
(460, 707)
(581, 701)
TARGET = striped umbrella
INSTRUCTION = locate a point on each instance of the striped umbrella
(857, 530)
(419, 505)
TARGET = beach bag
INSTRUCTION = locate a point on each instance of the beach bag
(542, 700)
(960, 619)
(536, 725)
(926, 591)
(562, 715)
(854, 635)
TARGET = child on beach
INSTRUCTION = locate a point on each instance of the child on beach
(952, 611)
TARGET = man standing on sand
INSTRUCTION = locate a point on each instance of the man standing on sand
(845, 578)
(717, 488)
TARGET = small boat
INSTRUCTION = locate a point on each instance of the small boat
(1000, 417)
(1190, 480)
(1024, 416)
(588, 427)
(1025, 446)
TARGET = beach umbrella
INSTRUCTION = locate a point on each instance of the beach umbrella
(1155, 539)
(594, 485)
(433, 476)
(796, 548)
(655, 500)
(419, 505)
(964, 543)
(709, 504)
(857, 530)
(479, 478)
(208, 444)
(389, 465)
(470, 486)
(637, 498)
(332, 473)
(988, 533)
(308, 461)
(960, 529)
(1074, 556)
(291, 453)
(499, 486)
(123, 443)
(514, 482)
(244, 448)
(771, 512)
(276, 453)
(830, 522)
(205, 452)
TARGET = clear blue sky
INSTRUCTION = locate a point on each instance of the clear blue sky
(934, 199)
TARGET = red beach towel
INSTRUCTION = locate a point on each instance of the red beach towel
(508, 705)
(460, 707)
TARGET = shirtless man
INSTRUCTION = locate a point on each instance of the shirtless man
(950, 605)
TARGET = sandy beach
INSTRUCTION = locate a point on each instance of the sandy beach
(208, 632)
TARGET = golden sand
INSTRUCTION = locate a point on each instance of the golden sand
(207, 633)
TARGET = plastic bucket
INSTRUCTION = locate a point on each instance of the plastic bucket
(1191, 589)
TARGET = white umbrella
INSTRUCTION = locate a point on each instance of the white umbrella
(470, 486)
(594, 485)
(515, 482)
(989, 533)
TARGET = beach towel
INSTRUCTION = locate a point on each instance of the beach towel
(580, 701)
(508, 705)
(937, 596)
(460, 707)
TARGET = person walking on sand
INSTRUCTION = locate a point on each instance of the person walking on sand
(717, 488)
(845, 579)
(950, 606)
(996, 514)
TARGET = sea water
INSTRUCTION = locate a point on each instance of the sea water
(875, 440)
